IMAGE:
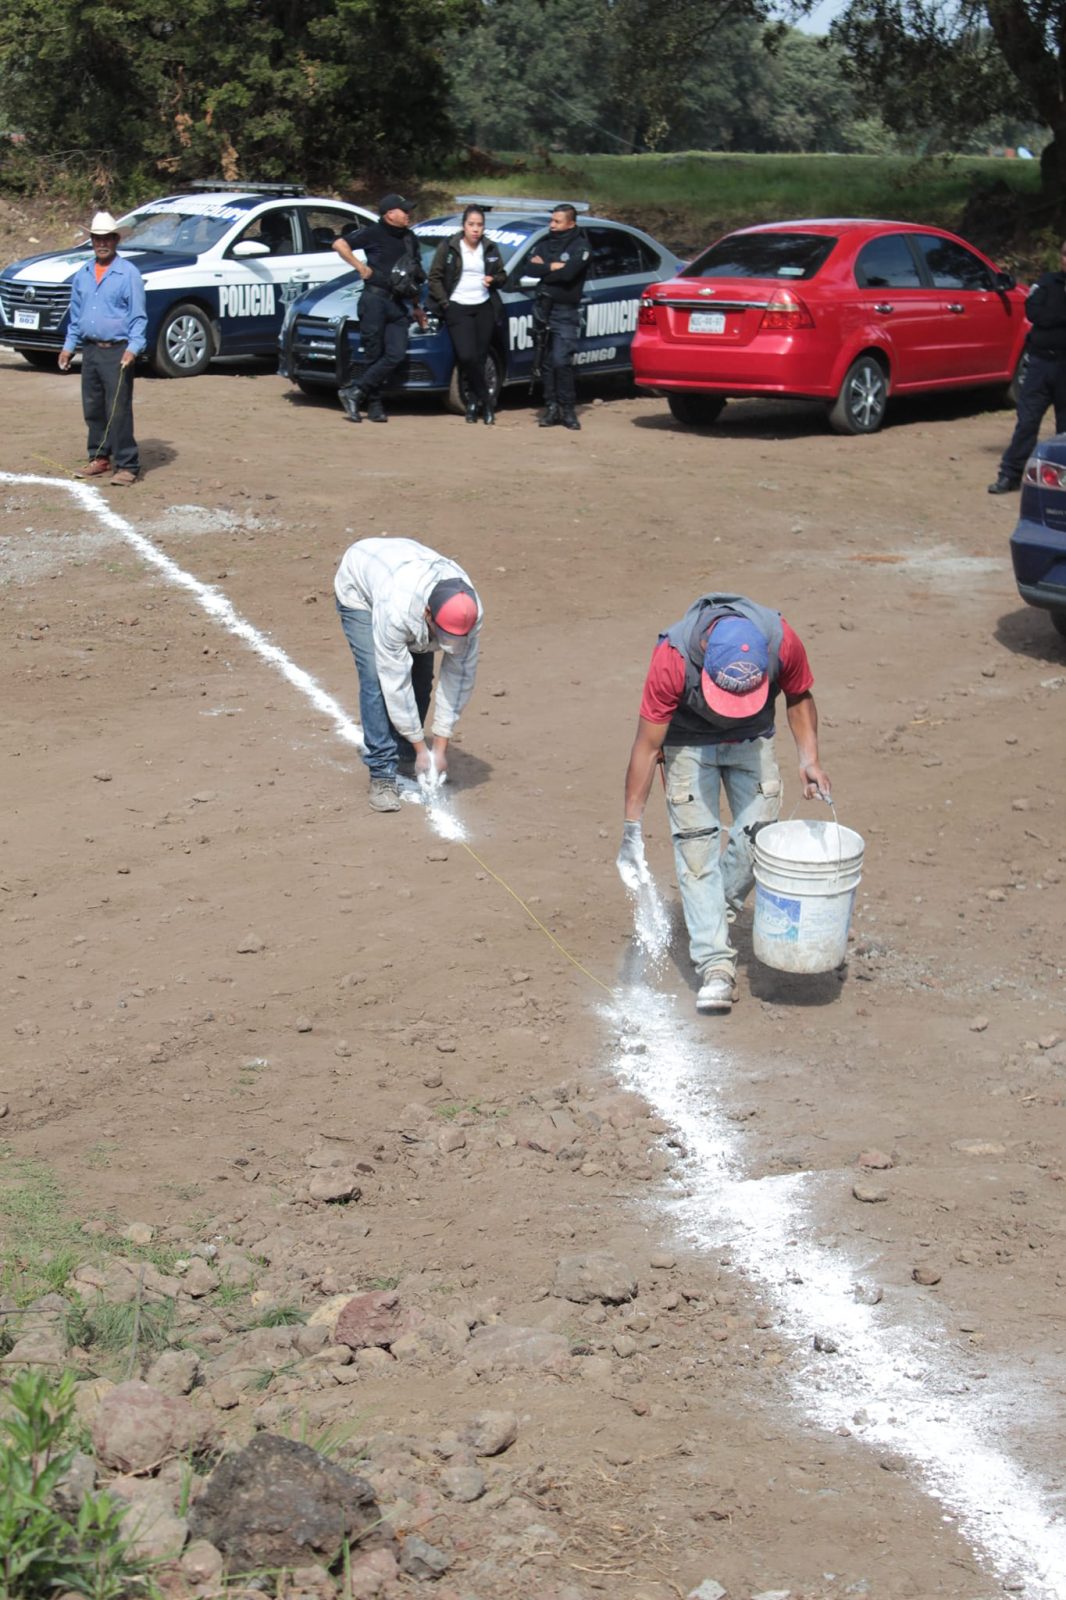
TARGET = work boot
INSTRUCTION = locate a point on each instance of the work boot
(471, 411)
(569, 419)
(550, 417)
(351, 398)
(384, 794)
(1006, 483)
(717, 991)
(375, 412)
(488, 413)
(96, 468)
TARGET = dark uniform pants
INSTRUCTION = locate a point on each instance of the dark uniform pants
(1043, 385)
(107, 404)
(563, 328)
(383, 329)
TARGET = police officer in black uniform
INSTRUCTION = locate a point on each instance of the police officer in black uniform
(1044, 382)
(391, 274)
(561, 261)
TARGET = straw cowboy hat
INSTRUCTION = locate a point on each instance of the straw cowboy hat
(103, 223)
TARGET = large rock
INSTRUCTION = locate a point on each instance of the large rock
(373, 1319)
(174, 1372)
(280, 1504)
(596, 1276)
(503, 1348)
(137, 1427)
(150, 1525)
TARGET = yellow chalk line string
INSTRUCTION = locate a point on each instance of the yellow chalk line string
(531, 914)
(70, 472)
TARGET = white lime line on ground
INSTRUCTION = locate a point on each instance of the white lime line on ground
(221, 610)
(894, 1380)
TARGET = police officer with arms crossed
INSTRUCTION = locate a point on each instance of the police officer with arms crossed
(561, 261)
(708, 714)
(108, 320)
(392, 274)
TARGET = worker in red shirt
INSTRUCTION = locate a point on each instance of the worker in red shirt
(707, 713)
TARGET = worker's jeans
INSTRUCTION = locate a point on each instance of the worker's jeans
(383, 748)
(107, 405)
(712, 880)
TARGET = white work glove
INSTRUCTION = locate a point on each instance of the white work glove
(430, 776)
(632, 867)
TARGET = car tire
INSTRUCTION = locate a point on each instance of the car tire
(860, 406)
(47, 359)
(696, 410)
(185, 343)
(456, 398)
(1058, 622)
(315, 391)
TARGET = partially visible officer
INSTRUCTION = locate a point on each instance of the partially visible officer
(1044, 383)
(108, 319)
(398, 602)
(561, 262)
(708, 713)
(392, 276)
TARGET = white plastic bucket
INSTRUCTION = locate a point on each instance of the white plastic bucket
(806, 874)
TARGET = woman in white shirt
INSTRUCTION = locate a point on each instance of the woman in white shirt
(464, 283)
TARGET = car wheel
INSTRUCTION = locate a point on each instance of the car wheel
(860, 405)
(185, 344)
(48, 359)
(696, 410)
(1058, 622)
(456, 400)
(314, 391)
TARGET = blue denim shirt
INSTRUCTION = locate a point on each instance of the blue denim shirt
(114, 308)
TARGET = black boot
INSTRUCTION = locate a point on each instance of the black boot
(488, 412)
(375, 412)
(569, 420)
(550, 417)
(471, 410)
(351, 398)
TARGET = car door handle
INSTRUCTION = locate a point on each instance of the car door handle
(883, 308)
(301, 277)
(953, 305)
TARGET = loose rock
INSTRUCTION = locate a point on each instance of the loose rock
(490, 1433)
(596, 1276)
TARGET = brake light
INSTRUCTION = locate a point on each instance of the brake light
(1044, 474)
(786, 312)
(646, 314)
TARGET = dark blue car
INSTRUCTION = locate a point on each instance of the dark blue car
(320, 336)
(1038, 543)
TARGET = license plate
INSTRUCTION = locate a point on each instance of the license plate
(706, 322)
(27, 319)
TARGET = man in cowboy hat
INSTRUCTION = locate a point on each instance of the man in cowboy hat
(108, 321)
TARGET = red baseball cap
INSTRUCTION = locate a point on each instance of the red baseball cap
(453, 608)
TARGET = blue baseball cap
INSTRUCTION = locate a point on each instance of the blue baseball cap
(736, 663)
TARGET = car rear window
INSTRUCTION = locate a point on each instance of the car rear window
(796, 256)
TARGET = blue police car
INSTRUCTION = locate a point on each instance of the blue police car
(221, 264)
(1038, 543)
(320, 336)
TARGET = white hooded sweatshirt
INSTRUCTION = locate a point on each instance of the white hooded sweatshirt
(393, 580)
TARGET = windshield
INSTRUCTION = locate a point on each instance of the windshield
(796, 256)
(189, 233)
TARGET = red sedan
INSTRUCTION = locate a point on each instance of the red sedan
(839, 310)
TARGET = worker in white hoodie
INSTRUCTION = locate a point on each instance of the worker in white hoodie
(398, 602)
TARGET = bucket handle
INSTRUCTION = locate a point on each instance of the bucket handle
(828, 798)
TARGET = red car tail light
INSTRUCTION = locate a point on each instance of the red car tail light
(646, 314)
(785, 313)
(1044, 474)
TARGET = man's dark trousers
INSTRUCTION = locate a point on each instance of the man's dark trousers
(1043, 385)
(383, 328)
(563, 327)
(107, 405)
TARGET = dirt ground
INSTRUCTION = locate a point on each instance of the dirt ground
(168, 797)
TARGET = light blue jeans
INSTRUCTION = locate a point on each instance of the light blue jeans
(383, 747)
(711, 879)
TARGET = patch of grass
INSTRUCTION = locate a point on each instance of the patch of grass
(392, 1281)
(330, 1441)
(99, 1154)
(43, 1242)
(229, 1294)
(280, 1317)
(115, 1329)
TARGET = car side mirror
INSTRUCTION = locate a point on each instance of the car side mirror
(250, 247)
(1005, 281)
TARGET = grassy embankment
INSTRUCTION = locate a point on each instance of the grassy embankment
(687, 198)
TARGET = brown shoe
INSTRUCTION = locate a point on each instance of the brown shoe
(96, 468)
(124, 477)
